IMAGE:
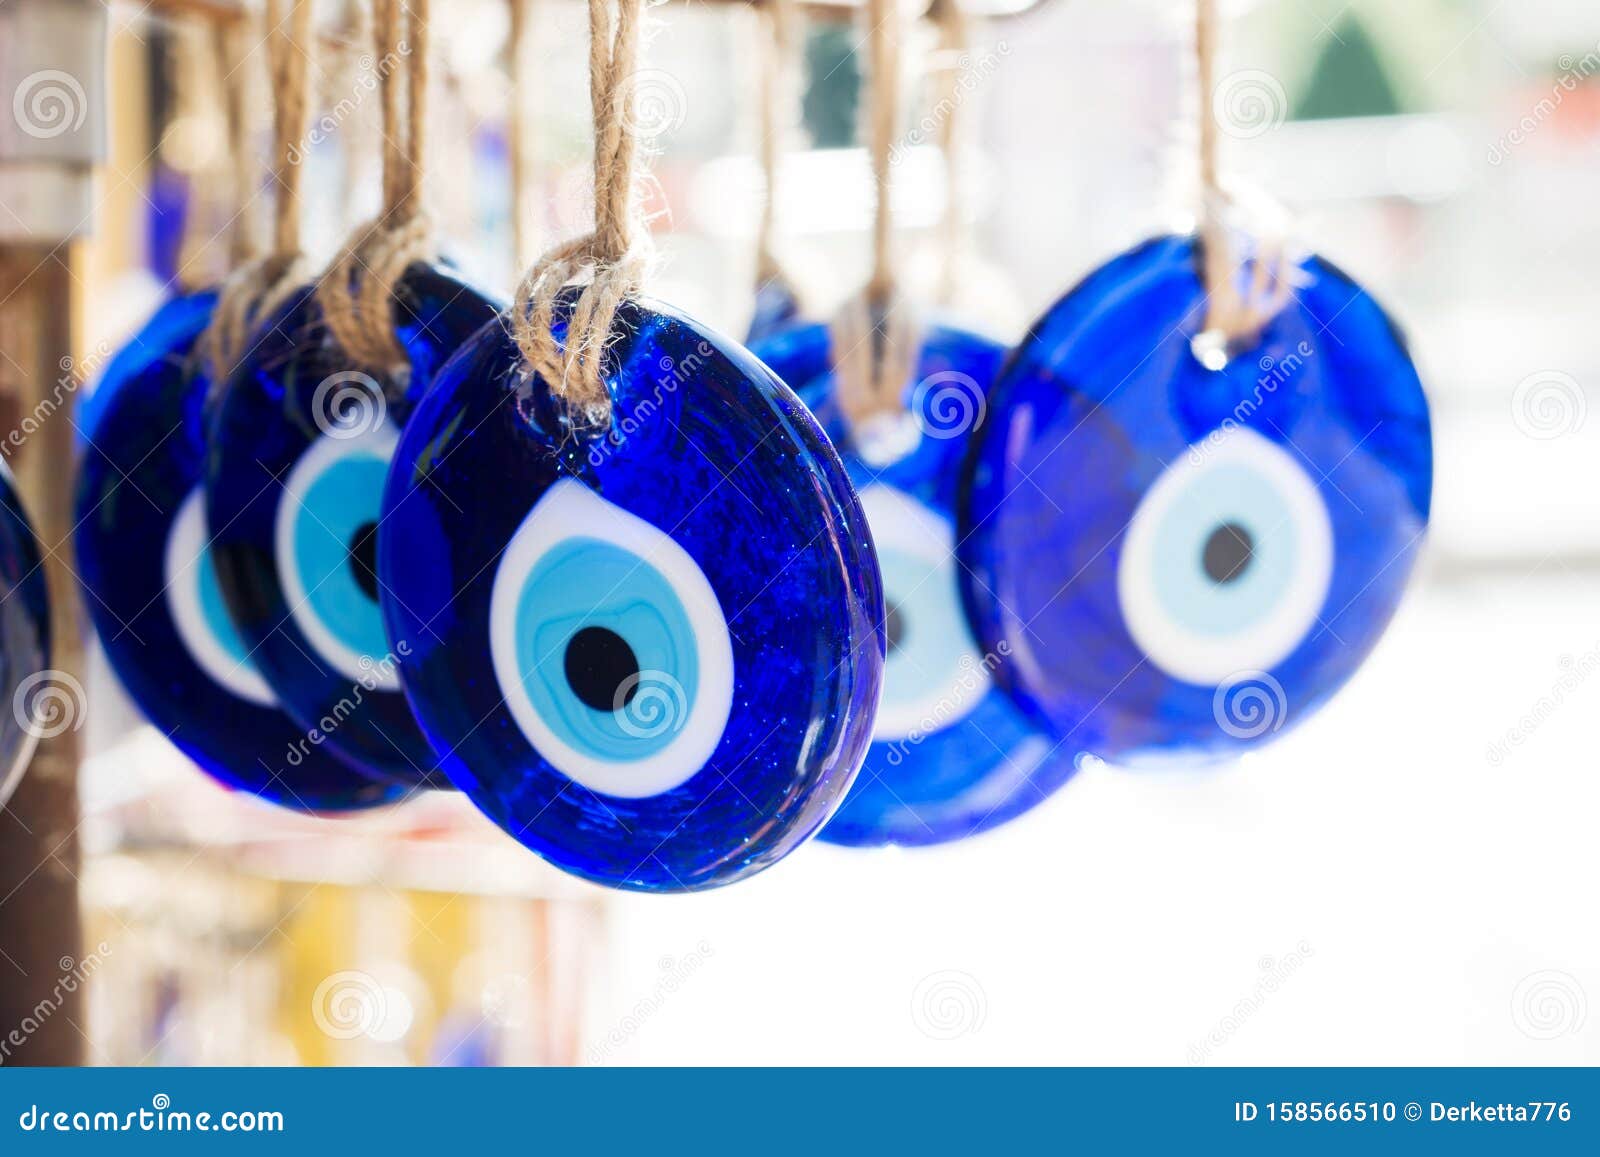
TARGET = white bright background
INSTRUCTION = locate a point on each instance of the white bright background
(1373, 888)
(1408, 899)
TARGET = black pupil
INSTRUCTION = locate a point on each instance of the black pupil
(598, 663)
(894, 626)
(1227, 552)
(364, 558)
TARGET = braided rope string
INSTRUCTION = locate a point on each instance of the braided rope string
(613, 256)
(357, 295)
(779, 108)
(258, 286)
(1235, 316)
(874, 336)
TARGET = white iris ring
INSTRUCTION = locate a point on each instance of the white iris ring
(935, 676)
(378, 443)
(570, 511)
(191, 589)
(1189, 624)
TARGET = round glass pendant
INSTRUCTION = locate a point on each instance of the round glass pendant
(951, 756)
(301, 444)
(650, 653)
(151, 587)
(38, 707)
(1188, 548)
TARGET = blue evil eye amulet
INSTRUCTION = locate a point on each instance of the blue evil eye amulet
(301, 444)
(650, 652)
(150, 582)
(1186, 560)
(951, 755)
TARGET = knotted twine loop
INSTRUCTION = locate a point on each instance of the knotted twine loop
(874, 335)
(260, 285)
(613, 256)
(1243, 295)
(357, 294)
(779, 105)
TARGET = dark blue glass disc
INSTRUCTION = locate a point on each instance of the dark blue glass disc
(1186, 560)
(36, 708)
(150, 583)
(651, 656)
(302, 439)
(951, 755)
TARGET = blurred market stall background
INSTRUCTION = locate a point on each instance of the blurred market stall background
(1408, 879)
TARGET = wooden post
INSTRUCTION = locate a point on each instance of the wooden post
(41, 938)
(52, 133)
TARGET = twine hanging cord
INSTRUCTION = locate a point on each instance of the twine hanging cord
(780, 98)
(612, 258)
(260, 285)
(357, 295)
(1235, 316)
(874, 336)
